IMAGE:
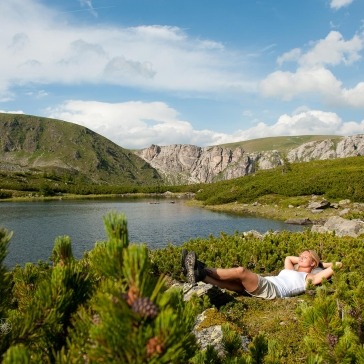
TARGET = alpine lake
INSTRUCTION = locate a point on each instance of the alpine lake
(155, 222)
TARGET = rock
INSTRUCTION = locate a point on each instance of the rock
(213, 335)
(318, 205)
(327, 149)
(344, 212)
(254, 233)
(218, 297)
(319, 229)
(299, 221)
(180, 163)
(341, 227)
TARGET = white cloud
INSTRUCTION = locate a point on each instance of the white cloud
(333, 50)
(288, 85)
(337, 4)
(313, 78)
(308, 122)
(355, 96)
(292, 55)
(11, 111)
(88, 4)
(130, 124)
(137, 125)
(37, 46)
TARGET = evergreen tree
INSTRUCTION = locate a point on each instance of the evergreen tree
(107, 307)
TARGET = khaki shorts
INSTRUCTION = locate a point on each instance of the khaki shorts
(266, 289)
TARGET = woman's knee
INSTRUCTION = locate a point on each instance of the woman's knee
(241, 271)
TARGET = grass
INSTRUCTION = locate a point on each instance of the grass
(282, 143)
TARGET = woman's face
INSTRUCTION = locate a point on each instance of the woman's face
(305, 260)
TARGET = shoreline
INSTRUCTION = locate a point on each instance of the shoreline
(256, 209)
(275, 212)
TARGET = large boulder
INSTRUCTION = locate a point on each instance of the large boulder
(341, 227)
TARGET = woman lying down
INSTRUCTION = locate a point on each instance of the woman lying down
(298, 272)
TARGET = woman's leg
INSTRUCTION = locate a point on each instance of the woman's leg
(232, 285)
(234, 277)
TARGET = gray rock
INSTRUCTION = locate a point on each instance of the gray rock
(213, 335)
(344, 212)
(299, 221)
(318, 205)
(181, 163)
(341, 227)
(186, 164)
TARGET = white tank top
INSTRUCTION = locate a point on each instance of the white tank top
(289, 282)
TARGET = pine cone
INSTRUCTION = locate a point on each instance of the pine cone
(145, 307)
(353, 312)
(332, 340)
(154, 346)
(132, 295)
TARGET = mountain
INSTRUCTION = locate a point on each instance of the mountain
(30, 144)
(34, 144)
(183, 164)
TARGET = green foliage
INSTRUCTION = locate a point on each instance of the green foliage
(5, 194)
(264, 255)
(336, 308)
(5, 237)
(18, 354)
(281, 143)
(114, 305)
(106, 307)
(64, 153)
(232, 342)
(258, 349)
(46, 190)
(208, 356)
(330, 336)
(338, 178)
(62, 251)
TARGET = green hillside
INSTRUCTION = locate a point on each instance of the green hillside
(33, 146)
(281, 143)
(337, 179)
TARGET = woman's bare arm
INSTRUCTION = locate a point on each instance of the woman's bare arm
(325, 273)
(290, 261)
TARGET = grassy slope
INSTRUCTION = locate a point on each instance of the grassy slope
(41, 144)
(336, 179)
(282, 143)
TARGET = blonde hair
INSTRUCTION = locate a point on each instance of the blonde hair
(314, 256)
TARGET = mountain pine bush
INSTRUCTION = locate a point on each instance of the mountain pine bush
(106, 307)
(114, 305)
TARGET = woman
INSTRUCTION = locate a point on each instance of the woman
(291, 281)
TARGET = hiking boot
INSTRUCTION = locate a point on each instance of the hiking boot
(190, 262)
(198, 265)
(183, 258)
(195, 271)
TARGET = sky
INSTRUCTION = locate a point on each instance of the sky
(200, 72)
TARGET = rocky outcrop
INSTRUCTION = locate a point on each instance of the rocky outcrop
(187, 164)
(341, 227)
(206, 330)
(180, 163)
(350, 146)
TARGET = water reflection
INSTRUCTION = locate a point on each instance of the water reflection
(37, 224)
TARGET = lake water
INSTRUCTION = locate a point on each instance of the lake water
(37, 224)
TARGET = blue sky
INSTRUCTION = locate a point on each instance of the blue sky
(201, 72)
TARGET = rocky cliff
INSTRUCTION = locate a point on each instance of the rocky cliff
(180, 164)
(185, 164)
(328, 149)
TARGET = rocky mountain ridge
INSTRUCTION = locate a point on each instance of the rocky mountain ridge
(31, 144)
(187, 164)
